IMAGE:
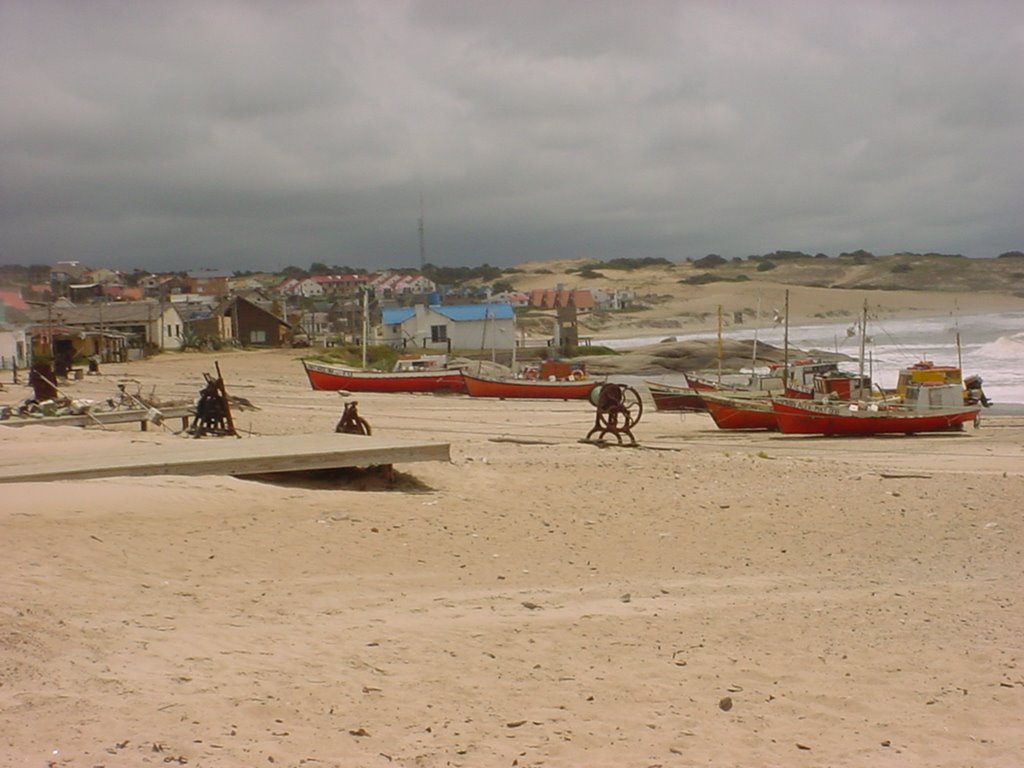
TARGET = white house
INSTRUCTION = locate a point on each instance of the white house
(147, 322)
(309, 288)
(441, 327)
(15, 345)
(391, 284)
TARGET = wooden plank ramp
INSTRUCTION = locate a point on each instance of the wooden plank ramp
(101, 418)
(228, 456)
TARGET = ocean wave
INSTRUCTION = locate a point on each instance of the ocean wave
(1005, 347)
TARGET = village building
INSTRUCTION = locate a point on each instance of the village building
(15, 345)
(253, 325)
(207, 282)
(515, 298)
(394, 285)
(447, 328)
(130, 329)
(244, 284)
(15, 341)
(546, 298)
(63, 273)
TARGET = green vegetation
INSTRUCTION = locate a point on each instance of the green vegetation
(593, 351)
(631, 264)
(858, 257)
(705, 277)
(789, 255)
(710, 261)
(380, 357)
(15, 274)
(628, 265)
(459, 275)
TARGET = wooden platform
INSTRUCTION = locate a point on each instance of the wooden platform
(99, 418)
(228, 456)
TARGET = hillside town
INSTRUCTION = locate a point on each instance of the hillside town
(80, 316)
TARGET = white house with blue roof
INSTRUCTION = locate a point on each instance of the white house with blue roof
(439, 327)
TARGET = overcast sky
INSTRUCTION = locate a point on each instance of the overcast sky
(257, 135)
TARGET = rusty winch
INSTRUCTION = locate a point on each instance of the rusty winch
(619, 408)
(351, 422)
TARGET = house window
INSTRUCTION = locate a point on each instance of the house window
(438, 333)
(257, 337)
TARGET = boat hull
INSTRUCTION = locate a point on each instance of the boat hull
(811, 419)
(669, 398)
(739, 414)
(333, 378)
(478, 386)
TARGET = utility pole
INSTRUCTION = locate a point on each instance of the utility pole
(423, 239)
(366, 322)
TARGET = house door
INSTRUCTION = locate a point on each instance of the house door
(63, 356)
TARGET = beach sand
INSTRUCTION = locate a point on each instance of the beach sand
(705, 599)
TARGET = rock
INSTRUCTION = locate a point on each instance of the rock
(725, 704)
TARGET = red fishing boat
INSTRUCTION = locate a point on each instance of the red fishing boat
(482, 386)
(806, 417)
(335, 377)
(740, 413)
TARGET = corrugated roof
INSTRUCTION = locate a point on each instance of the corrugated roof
(396, 315)
(469, 312)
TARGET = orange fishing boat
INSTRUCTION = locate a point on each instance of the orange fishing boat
(483, 386)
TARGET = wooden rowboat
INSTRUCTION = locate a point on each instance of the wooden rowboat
(669, 398)
(333, 377)
(482, 386)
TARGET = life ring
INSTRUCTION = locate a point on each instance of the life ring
(576, 375)
(530, 374)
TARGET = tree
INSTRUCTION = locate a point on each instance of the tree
(710, 261)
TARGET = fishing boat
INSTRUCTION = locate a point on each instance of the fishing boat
(484, 386)
(425, 378)
(924, 380)
(807, 417)
(670, 398)
(740, 412)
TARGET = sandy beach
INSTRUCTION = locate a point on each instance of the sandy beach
(704, 599)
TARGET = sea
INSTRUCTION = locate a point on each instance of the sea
(990, 346)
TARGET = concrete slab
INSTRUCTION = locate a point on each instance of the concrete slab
(228, 456)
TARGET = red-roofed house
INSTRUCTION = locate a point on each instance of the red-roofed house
(12, 298)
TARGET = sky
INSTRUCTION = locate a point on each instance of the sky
(257, 135)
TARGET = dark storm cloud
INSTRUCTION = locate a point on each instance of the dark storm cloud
(262, 134)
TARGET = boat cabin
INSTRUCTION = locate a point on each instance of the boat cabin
(927, 373)
(842, 386)
(422, 363)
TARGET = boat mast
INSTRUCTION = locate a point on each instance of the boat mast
(863, 341)
(757, 322)
(719, 344)
(785, 341)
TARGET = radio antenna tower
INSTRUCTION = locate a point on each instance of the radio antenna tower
(423, 242)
